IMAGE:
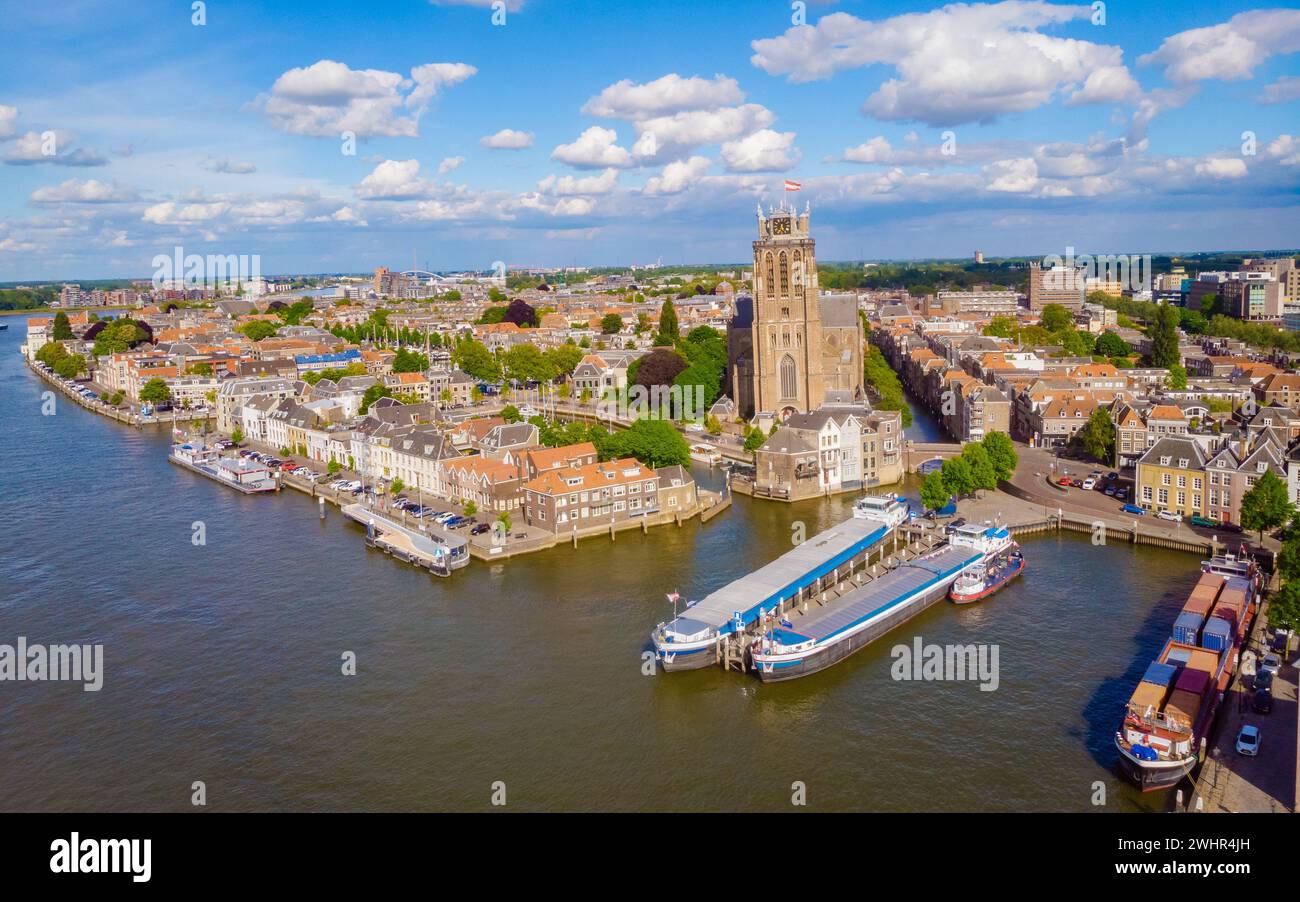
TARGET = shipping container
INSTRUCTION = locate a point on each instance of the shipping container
(1204, 594)
(1160, 674)
(1182, 708)
(1147, 697)
(1187, 628)
(1217, 635)
(1193, 681)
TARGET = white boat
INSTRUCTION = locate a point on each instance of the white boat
(704, 453)
(890, 510)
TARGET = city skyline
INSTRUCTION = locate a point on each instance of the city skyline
(542, 141)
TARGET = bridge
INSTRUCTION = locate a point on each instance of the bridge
(917, 454)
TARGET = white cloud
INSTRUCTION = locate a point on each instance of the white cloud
(666, 137)
(1012, 176)
(574, 206)
(763, 151)
(1222, 167)
(450, 164)
(678, 176)
(30, 149)
(183, 214)
(960, 63)
(1229, 51)
(394, 180)
(16, 246)
(563, 186)
(1284, 90)
(229, 167)
(328, 98)
(666, 95)
(88, 192)
(1285, 149)
(596, 148)
(8, 121)
(508, 139)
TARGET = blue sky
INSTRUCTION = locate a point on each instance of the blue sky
(607, 133)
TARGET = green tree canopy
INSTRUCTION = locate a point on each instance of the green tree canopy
(473, 358)
(1002, 454)
(934, 492)
(958, 477)
(155, 391)
(1097, 437)
(611, 324)
(1265, 506)
(1055, 318)
(669, 331)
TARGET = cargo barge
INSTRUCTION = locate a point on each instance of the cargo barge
(812, 640)
(238, 473)
(690, 640)
(1168, 719)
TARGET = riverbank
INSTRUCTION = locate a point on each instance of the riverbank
(121, 415)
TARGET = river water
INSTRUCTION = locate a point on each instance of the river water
(223, 661)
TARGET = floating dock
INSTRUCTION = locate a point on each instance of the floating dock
(435, 550)
(691, 640)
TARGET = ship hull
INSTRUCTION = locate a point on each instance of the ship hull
(697, 658)
(971, 598)
(821, 658)
(245, 489)
(1152, 776)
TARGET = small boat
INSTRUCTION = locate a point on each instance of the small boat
(982, 580)
(890, 510)
(704, 453)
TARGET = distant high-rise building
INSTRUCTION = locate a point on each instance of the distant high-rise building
(979, 256)
(1062, 285)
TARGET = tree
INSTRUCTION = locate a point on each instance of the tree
(1111, 345)
(259, 329)
(510, 413)
(564, 359)
(957, 476)
(237, 436)
(611, 324)
(1284, 607)
(754, 439)
(155, 391)
(526, 363)
(660, 367)
(409, 362)
(981, 466)
(1097, 437)
(371, 395)
(1164, 336)
(669, 331)
(1002, 454)
(1177, 378)
(1288, 559)
(470, 508)
(1055, 318)
(70, 365)
(333, 467)
(656, 443)
(521, 313)
(395, 487)
(62, 328)
(473, 358)
(934, 493)
(504, 519)
(1001, 327)
(1266, 506)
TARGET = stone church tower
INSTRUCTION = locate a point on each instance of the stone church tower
(786, 357)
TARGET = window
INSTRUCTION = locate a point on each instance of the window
(1146, 493)
(1163, 497)
(1182, 482)
(789, 378)
(1164, 479)
(784, 265)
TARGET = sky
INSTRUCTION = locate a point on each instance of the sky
(332, 136)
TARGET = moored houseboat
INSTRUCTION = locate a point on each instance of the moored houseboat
(239, 473)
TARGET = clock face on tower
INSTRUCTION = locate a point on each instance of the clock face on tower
(781, 226)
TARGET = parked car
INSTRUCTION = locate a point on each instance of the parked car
(1248, 741)
(1109, 490)
(1263, 680)
(1230, 527)
(456, 522)
(1198, 520)
(1133, 509)
(1170, 516)
(1279, 643)
(288, 465)
(1262, 701)
(1089, 484)
(952, 527)
(480, 529)
(1112, 475)
(1271, 663)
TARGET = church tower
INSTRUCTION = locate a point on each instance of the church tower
(787, 329)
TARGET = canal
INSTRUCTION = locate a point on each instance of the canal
(223, 660)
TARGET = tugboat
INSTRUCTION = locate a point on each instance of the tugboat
(982, 580)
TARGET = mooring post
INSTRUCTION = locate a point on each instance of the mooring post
(321, 500)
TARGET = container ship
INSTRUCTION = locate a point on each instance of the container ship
(1168, 719)
(811, 640)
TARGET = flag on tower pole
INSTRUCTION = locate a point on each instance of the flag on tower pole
(792, 185)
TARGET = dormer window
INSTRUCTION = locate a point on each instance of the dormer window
(1261, 466)
(1182, 463)
(1164, 461)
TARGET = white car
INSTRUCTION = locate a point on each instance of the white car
(1271, 662)
(527, 411)
(1170, 515)
(1090, 483)
(1248, 741)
